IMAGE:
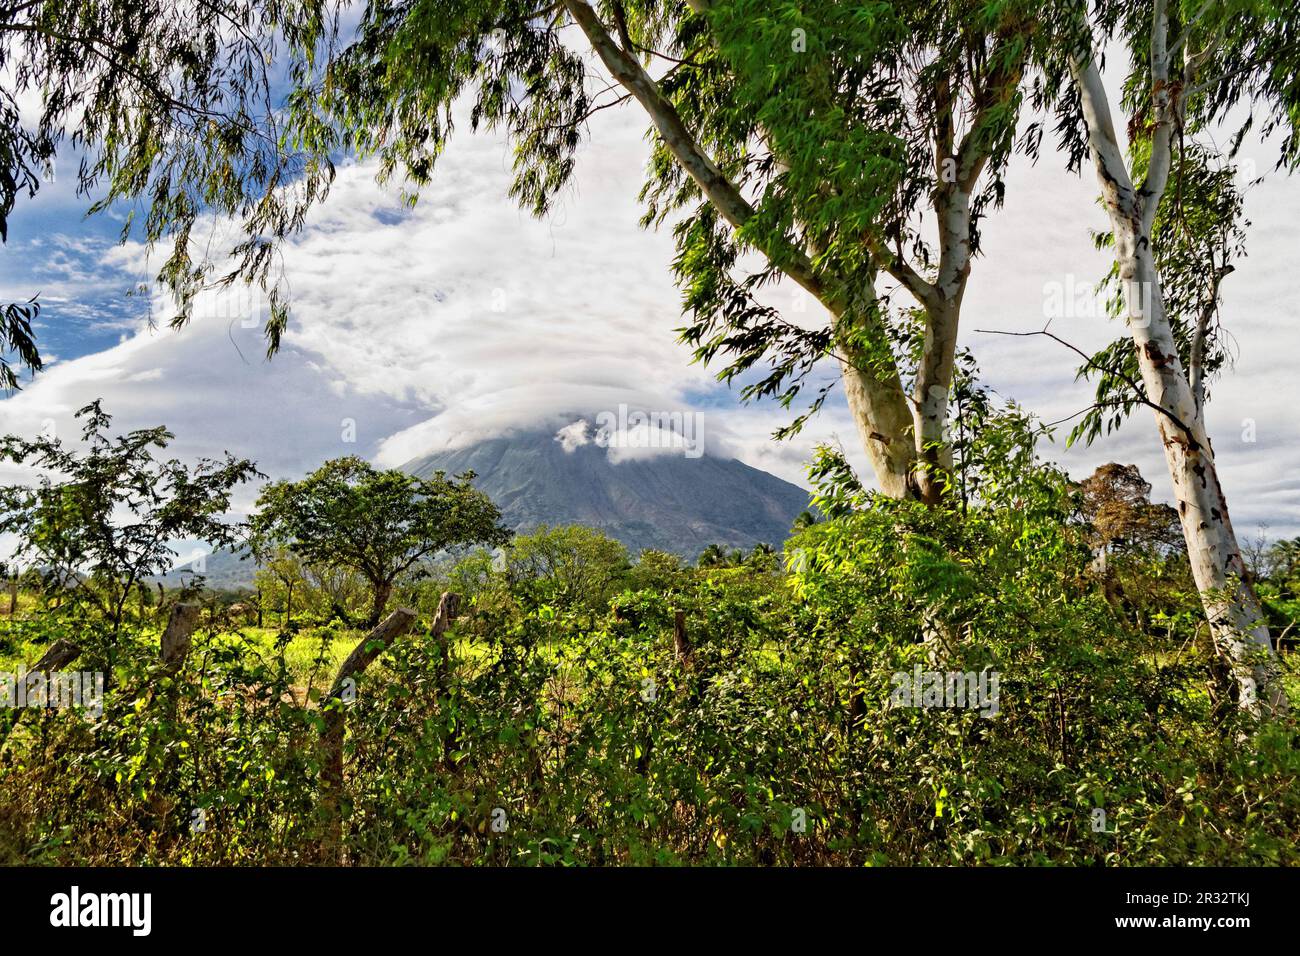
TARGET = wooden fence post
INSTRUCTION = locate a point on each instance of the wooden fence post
(335, 726)
(175, 644)
(380, 639)
(56, 657)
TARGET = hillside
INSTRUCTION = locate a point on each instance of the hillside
(669, 501)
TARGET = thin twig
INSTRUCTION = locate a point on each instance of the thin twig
(1138, 390)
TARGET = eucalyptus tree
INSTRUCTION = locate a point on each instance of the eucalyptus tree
(816, 139)
(820, 138)
(167, 111)
(882, 134)
(1195, 63)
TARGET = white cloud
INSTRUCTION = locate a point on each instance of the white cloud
(632, 434)
(573, 436)
(463, 317)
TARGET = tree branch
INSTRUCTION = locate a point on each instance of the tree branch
(1196, 361)
(925, 291)
(973, 152)
(1107, 156)
(1139, 392)
(719, 190)
(1164, 104)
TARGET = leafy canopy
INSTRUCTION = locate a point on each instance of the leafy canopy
(103, 518)
(169, 110)
(380, 524)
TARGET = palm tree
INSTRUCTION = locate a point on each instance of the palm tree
(713, 556)
(805, 520)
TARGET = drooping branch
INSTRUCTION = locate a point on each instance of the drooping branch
(974, 151)
(717, 188)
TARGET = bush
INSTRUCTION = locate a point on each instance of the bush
(559, 723)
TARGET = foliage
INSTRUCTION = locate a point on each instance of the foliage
(18, 339)
(587, 710)
(170, 106)
(381, 525)
(572, 567)
(557, 723)
(280, 578)
(102, 520)
(210, 765)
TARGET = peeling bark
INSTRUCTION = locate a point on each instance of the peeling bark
(884, 423)
(1231, 606)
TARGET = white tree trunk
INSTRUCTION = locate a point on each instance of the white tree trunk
(942, 303)
(1231, 607)
(884, 423)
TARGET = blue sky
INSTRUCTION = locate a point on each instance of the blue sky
(54, 245)
(464, 316)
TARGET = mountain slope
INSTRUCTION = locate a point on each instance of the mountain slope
(669, 501)
(223, 570)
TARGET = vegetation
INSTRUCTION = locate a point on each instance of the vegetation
(98, 533)
(566, 717)
(379, 525)
(982, 662)
(811, 138)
